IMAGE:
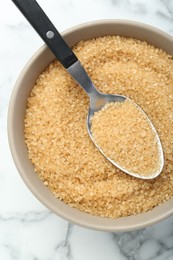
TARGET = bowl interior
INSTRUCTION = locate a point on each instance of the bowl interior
(30, 73)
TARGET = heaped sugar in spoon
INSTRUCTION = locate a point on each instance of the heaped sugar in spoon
(112, 119)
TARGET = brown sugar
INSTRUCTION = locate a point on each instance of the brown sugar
(58, 144)
(125, 135)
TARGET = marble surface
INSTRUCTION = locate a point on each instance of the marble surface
(28, 231)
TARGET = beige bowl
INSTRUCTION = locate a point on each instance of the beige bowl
(35, 66)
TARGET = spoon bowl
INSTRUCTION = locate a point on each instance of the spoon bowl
(47, 31)
(97, 104)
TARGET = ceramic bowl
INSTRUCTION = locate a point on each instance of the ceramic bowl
(40, 60)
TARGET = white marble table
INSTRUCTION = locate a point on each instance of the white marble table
(28, 231)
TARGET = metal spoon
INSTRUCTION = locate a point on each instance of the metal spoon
(44, 27)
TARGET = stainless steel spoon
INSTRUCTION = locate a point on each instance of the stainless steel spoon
(44, 27)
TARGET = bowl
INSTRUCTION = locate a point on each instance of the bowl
(40, 60)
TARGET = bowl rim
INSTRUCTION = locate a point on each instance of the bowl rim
(147, 222)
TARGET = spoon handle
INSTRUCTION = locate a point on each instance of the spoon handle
(47, 31)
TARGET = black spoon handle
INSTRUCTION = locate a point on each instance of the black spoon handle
(47, 31)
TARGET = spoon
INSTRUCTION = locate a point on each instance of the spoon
(47, 31)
